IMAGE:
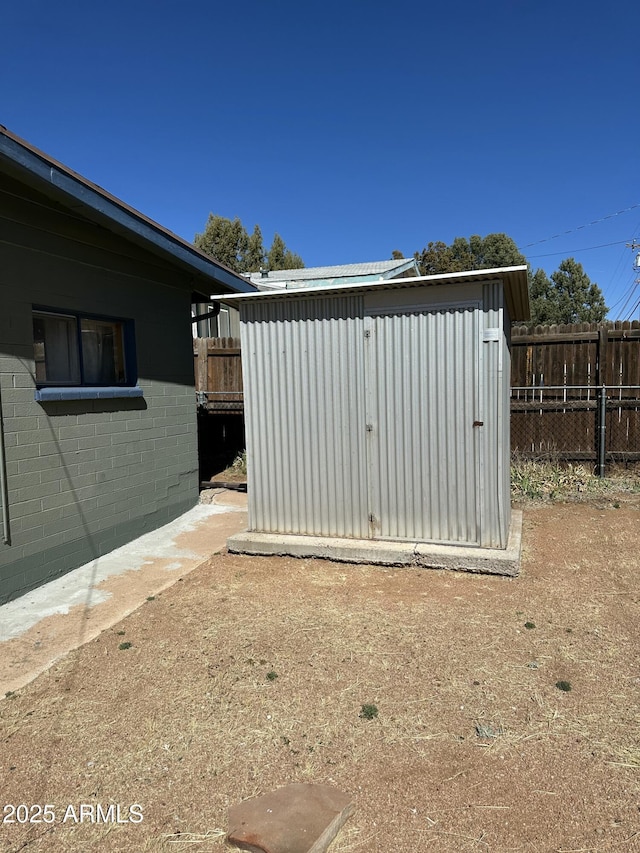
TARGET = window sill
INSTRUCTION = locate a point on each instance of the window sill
(44, 395)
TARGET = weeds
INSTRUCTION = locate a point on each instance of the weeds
(368, 712)
(239, 464)
(550, 480)
(483, 731)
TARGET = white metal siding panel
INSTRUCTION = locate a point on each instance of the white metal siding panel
(505, 403)
(304, 397)
(423, 397)
(496, 378)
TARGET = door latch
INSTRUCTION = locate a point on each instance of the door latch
(478, 423)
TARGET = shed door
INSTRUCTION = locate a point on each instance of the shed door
(423, 449)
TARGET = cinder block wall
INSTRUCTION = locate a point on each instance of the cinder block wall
(87, 476)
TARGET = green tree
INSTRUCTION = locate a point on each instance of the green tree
(280, 258)
(542, 307)
(225, 240)
(255, 257)
(494, 250)
(438, 258)
(497, 250)
(569, 296)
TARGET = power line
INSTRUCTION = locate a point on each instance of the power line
(622, 257)
(629, 298)
(633, 310)
(571, 251)
(580, 227)
(626, 296)
(633, 246)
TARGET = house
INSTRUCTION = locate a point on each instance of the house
(377, 419)
(225, 323)
(98, 414)
(335, 275)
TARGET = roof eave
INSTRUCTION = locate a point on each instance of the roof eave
(514, 279)
(99, 206)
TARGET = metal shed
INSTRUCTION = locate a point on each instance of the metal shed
(381, 411)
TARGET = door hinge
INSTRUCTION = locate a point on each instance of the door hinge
(372, 518)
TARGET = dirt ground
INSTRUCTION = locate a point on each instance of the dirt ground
(253, 672)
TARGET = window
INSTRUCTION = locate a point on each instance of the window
(56, 349)
(76, 351)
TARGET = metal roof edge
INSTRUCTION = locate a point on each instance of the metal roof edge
(400, 265)
(514, 278)
(410, 262)
(89, 195)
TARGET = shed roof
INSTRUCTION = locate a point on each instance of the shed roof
(514, 280)
(23, 161)
(334, 275)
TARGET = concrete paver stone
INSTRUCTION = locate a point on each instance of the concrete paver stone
(299, 818)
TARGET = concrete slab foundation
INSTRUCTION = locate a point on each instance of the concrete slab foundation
(495, 561)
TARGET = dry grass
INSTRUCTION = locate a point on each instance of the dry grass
(548, 480)
(473, 749)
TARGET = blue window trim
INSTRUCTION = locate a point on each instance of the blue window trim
(87, 392)
(129, 389)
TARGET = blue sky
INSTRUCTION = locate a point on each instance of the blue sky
(351, 128)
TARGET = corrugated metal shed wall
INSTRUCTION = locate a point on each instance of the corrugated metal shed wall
(304, 392)
(372, 436)
(504, 440)
(423, 393)
(496, 476)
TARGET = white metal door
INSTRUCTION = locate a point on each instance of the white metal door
(424, 424)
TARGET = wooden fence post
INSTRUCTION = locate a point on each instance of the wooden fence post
(202, 373)
(601, 356)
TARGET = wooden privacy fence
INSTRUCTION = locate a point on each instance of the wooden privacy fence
(218, 373)
(576, 391)
(557, 373)
(579, 354)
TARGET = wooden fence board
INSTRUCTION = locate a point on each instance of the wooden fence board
(563, 420)
(585, 353)
(218, 372)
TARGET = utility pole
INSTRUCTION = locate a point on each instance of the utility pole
(634, 245)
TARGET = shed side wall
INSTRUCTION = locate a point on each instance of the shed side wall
(496, 476)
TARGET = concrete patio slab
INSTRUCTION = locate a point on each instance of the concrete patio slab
(299, 818)
(495, 561)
